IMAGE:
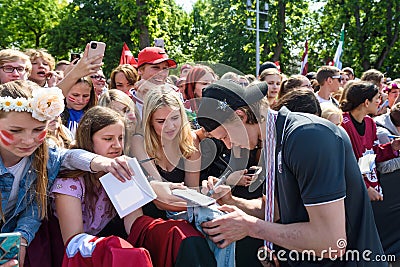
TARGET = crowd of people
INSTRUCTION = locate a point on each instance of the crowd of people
(327, 144)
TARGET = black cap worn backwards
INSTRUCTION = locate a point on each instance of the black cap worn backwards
(220, 100)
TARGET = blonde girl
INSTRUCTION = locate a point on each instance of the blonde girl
(168, 137)
(331, 113)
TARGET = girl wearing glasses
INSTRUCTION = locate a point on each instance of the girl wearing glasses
(99, 83)
(14, 65)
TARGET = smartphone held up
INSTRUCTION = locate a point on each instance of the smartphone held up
(96, 49)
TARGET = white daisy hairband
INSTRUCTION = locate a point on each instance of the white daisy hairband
(45, 104)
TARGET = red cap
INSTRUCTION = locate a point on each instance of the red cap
(154, 55)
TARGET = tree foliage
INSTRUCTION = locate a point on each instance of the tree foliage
(25, 24)
(371, 38)
(215, 30)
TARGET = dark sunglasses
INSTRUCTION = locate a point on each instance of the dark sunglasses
(98, 77)
(339, 77)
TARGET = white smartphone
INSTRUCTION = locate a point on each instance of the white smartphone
(95, 49)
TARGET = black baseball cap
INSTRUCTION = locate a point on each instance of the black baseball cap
(267, 65)
(221, 98)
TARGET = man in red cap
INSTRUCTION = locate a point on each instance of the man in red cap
(153, 69)
(153, 65)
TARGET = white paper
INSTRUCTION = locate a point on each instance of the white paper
(366, 163)
(131, 195)
(193, 197)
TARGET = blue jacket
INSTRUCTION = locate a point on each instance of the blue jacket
(24, 218)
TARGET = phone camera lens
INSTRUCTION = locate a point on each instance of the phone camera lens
(93, 45)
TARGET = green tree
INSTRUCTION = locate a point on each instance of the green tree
(219, 34)
(152, 19)
(91, 20)
(285, 39)
(372, 33)
(26, 23)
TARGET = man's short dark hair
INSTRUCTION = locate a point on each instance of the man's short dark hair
(325, 72)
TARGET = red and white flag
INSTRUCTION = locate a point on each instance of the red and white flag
(127, 57)
(304, 60)
(339, 50)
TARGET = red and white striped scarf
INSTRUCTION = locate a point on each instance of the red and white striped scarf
(269, 157)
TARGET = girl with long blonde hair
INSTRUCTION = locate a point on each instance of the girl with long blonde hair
(168, 137)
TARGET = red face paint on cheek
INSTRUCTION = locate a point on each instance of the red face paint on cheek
(6, 137)
(71, 99)
(41, 136)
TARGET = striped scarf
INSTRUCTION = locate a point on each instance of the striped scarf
(269, 156)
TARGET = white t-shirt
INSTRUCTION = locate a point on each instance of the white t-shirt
(17, 171)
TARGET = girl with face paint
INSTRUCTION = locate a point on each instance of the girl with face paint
(80, 98)
(26, 158)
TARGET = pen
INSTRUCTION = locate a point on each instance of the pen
(146, 160)
(222, 180)
(393, 136)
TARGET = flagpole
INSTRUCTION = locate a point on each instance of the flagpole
(257, 36)
(257, 29)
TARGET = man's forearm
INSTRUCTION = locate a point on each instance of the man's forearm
(253, 207)
(325, 230)
(297, 236)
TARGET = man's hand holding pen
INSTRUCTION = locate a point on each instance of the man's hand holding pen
(222, 193)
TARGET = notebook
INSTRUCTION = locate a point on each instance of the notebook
(130, 195)
(194, 197)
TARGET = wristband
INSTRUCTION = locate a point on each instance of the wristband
(24, 244)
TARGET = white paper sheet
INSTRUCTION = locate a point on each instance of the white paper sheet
(131, 195)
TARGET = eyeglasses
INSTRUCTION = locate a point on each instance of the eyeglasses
(339, 77)
(98, 77)
(10, 69)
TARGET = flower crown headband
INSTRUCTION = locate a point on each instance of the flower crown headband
(45, 104)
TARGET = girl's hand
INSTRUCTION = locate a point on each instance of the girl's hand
(165, 200)
(117, 166)
(10, 263)
(374, 195)
(86, 65)
(396, 144)
(240, 178)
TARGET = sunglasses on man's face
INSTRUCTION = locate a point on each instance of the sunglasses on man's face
(339, 77)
